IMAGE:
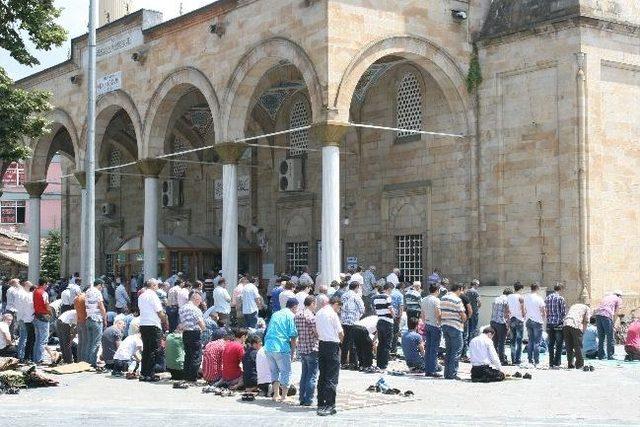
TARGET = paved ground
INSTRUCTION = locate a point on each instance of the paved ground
(608, 396)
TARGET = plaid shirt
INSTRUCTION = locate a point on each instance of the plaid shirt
(556, 309)
(307, 333)
(190, 315)
(498, 309)
(352, 308)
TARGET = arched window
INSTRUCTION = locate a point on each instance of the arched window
(178, 169)
(298, 117)
(409, 104)
(115, 159)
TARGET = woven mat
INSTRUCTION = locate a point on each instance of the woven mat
(72, 368)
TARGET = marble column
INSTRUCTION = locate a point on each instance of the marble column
(230, 153)
(151, 169)
(81, 177)
(35, 190)
(330, 135)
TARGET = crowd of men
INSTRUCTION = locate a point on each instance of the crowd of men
(247, 339)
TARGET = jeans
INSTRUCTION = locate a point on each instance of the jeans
(605, 330)
(385, 341)
(251, 320)
(453, 349)
(348, 347)
(431, 346)
(150, 345)
(473, 325)
(465, 339)
(329, 369)
(499, 339)
(280, 367)
(173, 317)
(82, 341)
(192, 354)
(554, 341)
(534, 330)
(27, 338)
(41, 338)
(94, 337)
(517, 332)
(309, 377)
(573, 342)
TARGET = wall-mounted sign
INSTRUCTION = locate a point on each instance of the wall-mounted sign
(244, 187)
(109, 83)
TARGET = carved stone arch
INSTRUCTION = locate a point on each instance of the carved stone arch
(253, 65)
(407, 216)
(296, 229)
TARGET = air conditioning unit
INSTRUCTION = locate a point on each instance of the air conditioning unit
(291, 176)
(108, 209)
(171, 193)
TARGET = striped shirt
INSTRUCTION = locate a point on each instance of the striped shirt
(190, 317)
(499, 309)
(382, 304)
(451, 306)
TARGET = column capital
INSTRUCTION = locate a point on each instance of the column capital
(81, 177)
(230, 152)
(151, 167)
(329, 133)
(35, 188)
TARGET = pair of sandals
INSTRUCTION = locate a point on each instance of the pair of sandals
(394, 391)
(248, 397)
(181, 385)
(219, 391)
(526, 376)
(589, 368)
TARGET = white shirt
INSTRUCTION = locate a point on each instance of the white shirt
(12, 293)
(357, 277)
(221, 300)
(128, 348)
(250, 295)
(24, 306)
(262, 367)
(371, 323)
(393, 278)
(93, 298)
(70, 317)
(301, 296)
(134, 326)
(67, 297)
(183, 296)
(122, 297)
(533, 303)
(149, 305)
(514, 306)
(285, 296)
(482, 352)
(4, 330)
(328, 324)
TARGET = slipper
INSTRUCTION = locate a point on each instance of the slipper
(396, 373)
(585, 368)
(248, 397)
(181, 385)
(591, 368)
(527, 376)
(12, 390)
(517, 375)
(372, 388)
(208, 389)
(408, 393)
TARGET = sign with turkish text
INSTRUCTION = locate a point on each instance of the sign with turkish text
(109, 83)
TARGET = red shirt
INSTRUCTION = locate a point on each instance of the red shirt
(231, 359)
(40, 301)
(633, 335)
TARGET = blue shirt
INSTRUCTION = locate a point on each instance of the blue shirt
(410, 348)
(590, 339)
(397, 299)
(275, 299)
(282, 328)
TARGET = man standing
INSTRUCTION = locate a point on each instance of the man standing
(368, 288)
(286, 294)
(453, 318)
(237, 318)
(517, 314)
(96, 319)
(192, 323)
(42, 313)
(305, 321)
(352, 311)
(431, 316)
(152, 320)
(279, 345)
(474, 299)
(499, 316)
(575, 323)
(485, 363)
(385, 313)
(412, 299)
(172, 305)
(25, 313)
(434, 277)
(251, 304)
(393, 277)
(397, 301)
(606, 314)
(330, 335)
(469, 312)
(556, 309)
(122, 298)
(222, 302)
(305, 278)
(80, 306)
(536, 313)
(208, 288)
(10, 307)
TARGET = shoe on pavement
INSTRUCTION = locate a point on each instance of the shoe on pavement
(527, 376)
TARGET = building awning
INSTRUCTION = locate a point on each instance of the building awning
(20, 258)
(177, 242)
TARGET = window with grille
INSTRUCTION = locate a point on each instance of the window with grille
(115, 159)
(297, 256)
(409, 256)
(178, 169)
(298, 140)
(409, 105)
(12, 212)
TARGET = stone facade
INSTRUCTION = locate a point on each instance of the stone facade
(531, 190)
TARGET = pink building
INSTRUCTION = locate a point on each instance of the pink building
(14, 204)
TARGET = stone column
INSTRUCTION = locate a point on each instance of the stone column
(151, 169)
(230, 153)
(35, 190)
(330, 135)
(81, 177)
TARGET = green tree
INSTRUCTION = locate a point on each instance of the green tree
(21, 111)
(50, 263)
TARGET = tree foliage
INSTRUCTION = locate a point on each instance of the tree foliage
(21, 111)
(50, 264)
(474, 76)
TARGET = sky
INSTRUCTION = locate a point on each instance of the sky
(75, 19)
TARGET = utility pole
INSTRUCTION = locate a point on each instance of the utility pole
(90, 161)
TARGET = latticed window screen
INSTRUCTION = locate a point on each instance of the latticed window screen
(299, 140)
(409, 105)
(409, 256)
(108, 264)
(178, 169)
(297, 256)
(115, 159)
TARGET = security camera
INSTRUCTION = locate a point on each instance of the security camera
(139, 57)
(460, 15)
(76, 79)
